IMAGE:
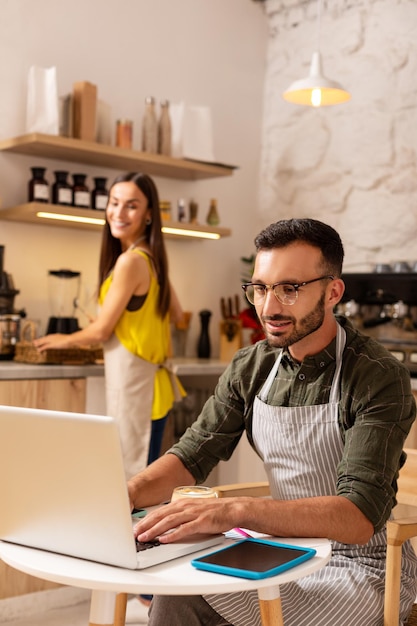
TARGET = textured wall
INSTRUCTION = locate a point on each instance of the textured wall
(352, 165)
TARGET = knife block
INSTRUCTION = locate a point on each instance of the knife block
(230, 339)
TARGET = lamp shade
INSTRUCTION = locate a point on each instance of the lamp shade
(316, 90)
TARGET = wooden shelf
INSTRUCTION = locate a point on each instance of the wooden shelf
(29, 213)
(101, 155)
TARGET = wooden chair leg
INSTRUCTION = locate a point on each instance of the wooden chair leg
(120, 609)
(270, 606)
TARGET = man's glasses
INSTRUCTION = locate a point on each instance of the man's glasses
(286, 293)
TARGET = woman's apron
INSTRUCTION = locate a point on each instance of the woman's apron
(129, 397)
(301, 448)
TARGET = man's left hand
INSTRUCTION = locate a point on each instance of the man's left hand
(186, 517)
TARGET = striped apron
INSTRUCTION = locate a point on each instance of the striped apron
(301, 448)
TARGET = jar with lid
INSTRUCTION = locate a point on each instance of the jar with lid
(61, 189)
(165, 209)
(38, 185)
(150, 127)
(80, 191)
(164, 130)
(99, 195)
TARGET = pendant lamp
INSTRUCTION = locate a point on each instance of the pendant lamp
(316, 90)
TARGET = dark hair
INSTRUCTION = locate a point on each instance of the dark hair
(111, 247)
(313, 232)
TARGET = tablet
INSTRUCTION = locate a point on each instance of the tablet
(254, 558)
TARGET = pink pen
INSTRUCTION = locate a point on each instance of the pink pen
(242, 532)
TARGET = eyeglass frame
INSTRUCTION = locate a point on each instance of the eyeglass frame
(296, 286)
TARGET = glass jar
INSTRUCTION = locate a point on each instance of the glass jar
(164, 130)
(150, 127)
(61, 189)
(80, 191)
(165, 209)
(99, 195)
(38, 190)
(124, 134)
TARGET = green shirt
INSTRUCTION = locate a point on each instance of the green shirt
(376, 411)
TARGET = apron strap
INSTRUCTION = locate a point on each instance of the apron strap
(340, 346)
(263, 395)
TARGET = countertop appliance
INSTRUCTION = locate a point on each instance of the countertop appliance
(384, 306)
(9, 317)
(64, 287)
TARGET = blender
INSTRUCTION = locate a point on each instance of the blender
(64, 287)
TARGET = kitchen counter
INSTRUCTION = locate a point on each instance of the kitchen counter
(11, 370)
(185, 367)
(197, 367)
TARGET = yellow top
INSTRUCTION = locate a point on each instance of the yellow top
(146, 334)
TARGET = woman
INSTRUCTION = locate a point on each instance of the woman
(137, 303)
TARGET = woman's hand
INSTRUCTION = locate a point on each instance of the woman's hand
(53, 341)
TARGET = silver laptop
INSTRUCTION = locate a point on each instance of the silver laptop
(63, 489)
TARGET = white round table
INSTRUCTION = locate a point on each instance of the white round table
(177, 577)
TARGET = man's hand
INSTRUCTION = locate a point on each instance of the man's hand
(186, 517)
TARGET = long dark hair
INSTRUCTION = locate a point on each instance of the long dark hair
(111, 247)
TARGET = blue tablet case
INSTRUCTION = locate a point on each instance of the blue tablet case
(254, 558)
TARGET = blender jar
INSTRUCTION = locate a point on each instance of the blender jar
(64, 288)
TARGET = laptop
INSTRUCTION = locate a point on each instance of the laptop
(63, 489)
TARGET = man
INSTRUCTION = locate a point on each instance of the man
(328, 410)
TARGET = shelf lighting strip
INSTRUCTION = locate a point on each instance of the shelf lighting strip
(184, 232)
(171, 230)
(70, 218)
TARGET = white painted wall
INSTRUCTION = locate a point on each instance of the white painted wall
(207, 52)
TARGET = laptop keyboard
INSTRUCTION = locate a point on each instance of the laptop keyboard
(146, 545)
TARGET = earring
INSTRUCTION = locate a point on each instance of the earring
(148, 221)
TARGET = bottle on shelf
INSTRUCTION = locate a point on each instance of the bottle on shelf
(193, 212)
(124, 134)
(99, 195)
(150, 127)
(213, 218)
(61, 189)
(164, 130)
(38, 190)
(181, 210)
(80, 192)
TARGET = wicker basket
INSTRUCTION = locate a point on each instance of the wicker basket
(26, 352)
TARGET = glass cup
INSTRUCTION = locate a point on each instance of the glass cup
(193, 491)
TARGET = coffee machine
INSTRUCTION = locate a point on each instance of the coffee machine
(384, 306)
(9, 317)
(64, 288)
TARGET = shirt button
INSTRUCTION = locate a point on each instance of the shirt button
(322, 364)
(301, 376)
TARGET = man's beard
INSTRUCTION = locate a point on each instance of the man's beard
(305, 326)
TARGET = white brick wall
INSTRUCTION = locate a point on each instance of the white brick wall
(352, 165)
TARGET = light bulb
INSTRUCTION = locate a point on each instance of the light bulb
(316, 97)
